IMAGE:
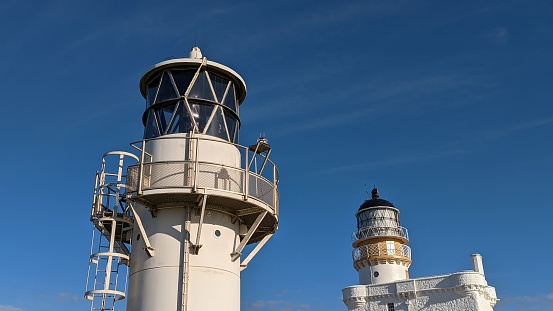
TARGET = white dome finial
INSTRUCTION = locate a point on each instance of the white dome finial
(195, 52)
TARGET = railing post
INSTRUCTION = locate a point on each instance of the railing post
(141, 168)
(95, 196)
(185, 171)
(275, 199)
(246, 175)
(197, 147)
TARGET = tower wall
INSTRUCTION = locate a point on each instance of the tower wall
(383, 272)
(380, 254)
(211, 272)
(179, 147)
(169, 169)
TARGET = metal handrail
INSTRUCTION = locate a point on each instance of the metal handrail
(139, 144)
(241, 187)
(139, 185)
(379, 231)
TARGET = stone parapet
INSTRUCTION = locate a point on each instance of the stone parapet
(449, 288)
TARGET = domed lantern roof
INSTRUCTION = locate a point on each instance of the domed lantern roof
(375, 201)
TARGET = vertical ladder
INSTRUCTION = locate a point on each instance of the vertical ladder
(111, 236)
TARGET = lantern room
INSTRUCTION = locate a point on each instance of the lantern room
(192, 95)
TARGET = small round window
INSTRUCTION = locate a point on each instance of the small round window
(217, 233)
(376, 274)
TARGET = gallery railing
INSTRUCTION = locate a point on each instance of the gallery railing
(257, 176)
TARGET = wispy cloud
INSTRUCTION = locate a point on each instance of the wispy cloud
(304, 24)
(9, 308)
(402, 159)
(64, 296)
(506, 131)
(450, 149)
(498, 35)
(368, 99)
(526, 303)
(275, 305)
(538, 298)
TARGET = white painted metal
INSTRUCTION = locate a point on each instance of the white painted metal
(251, 255)
(192, 197)
(155, 283)
(140, 227)
(110, 248)
(182, 277)
(198, 167)
(238, 250)
(196, 53)
(181, 61)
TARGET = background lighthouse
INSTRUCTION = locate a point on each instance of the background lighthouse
(382, 258)
(188, 200)
(380, 252)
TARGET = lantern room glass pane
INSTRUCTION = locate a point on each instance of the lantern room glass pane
(230, 99)
(201, 114)
(231, 126)
(151, 129)
(166, 89)
(201, 88)
(164, 115)
(182, 122)
(217, 126)
(182, 79)
(377, 217)
(220, 85)
(151, 91)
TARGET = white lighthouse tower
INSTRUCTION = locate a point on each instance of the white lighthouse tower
(381, 254)
(190, 200)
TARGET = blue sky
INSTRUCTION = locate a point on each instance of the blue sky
(445, 106)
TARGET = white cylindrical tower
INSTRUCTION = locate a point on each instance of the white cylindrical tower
(197, 197)
(380, 254)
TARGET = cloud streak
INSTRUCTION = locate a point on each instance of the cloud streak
(64, 297)
(498, 133)
(9, 308)
(275, 305)
(402, 159)
(451, 149)
(526, 303)
(373, 98)
(499, 35)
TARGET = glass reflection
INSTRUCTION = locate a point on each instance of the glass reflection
(182, 79)
(219, 86)
(182, 122)
(152, 91)
(210, 91)
(201, 114)
(231, 126)
(166, 89)
(230, 99)
(201, 88)
(217, 126)
(151, 129)
(164, 116)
